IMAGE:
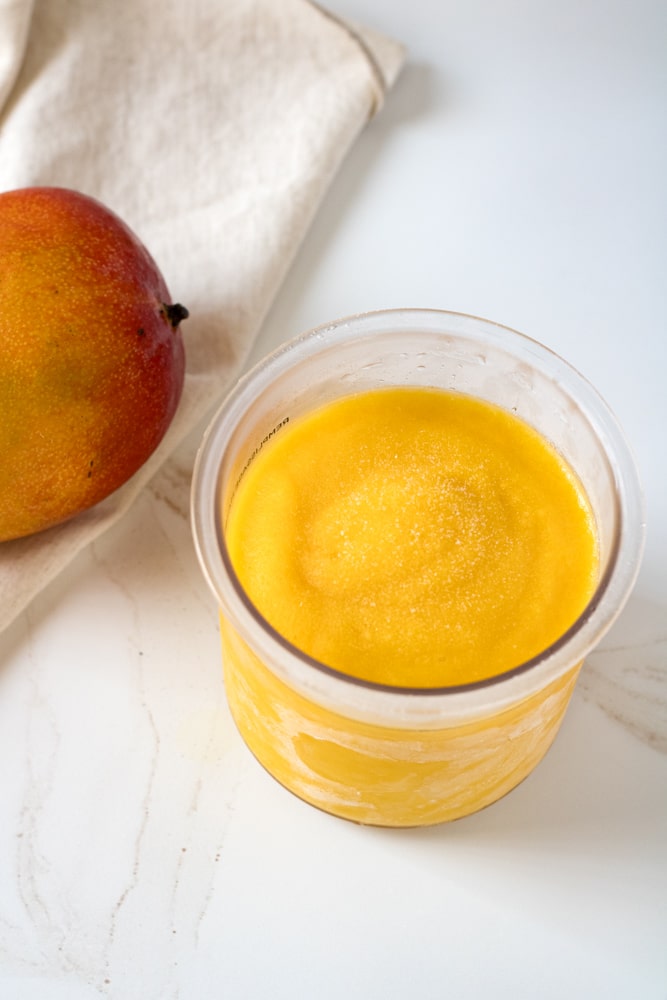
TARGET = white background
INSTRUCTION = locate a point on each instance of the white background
(518, 172)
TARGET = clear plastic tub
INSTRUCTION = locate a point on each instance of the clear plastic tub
(398, 756)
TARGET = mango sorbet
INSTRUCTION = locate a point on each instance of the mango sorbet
(413, 537)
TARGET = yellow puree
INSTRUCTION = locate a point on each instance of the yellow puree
(414, 537)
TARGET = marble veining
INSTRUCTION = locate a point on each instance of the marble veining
(626, 677)
(33, 866)
(171, 485)
(129, 769)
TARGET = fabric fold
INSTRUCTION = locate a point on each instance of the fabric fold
(214, 134)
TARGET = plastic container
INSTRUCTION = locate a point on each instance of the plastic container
(398, 756)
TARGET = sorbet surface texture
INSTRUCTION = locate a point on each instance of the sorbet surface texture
(414, 537)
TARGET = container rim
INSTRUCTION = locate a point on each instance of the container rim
(571, 647)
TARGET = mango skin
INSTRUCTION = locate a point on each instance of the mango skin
(91, 364)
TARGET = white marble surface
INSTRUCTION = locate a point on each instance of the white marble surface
(517, 172)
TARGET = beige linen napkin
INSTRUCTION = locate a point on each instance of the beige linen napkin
(213, 129)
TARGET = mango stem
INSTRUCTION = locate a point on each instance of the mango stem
(174, 312)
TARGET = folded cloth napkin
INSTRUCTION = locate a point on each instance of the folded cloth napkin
(213, 129)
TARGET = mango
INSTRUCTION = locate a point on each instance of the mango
(92, 360)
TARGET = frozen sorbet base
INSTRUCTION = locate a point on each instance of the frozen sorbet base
(387, 776)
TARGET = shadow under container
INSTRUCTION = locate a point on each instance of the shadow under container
(393, 756)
